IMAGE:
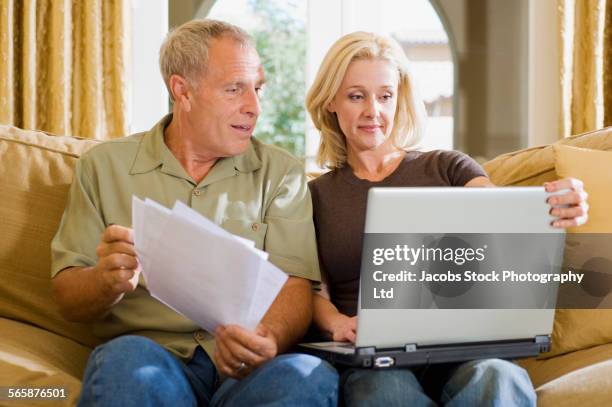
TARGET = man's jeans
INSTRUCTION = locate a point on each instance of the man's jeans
(136, 371)
(488, 382)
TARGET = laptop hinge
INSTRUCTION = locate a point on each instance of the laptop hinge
(366, 350)
(411, 347)
(543, 342)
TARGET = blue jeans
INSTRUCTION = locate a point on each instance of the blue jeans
(136, 371)
(487, 382)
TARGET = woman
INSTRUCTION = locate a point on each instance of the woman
(363, 103)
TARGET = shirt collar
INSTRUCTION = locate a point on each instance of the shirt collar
(153, 153)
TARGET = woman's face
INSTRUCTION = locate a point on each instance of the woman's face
(365, 103)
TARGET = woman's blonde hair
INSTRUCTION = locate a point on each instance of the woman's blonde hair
(410, 112)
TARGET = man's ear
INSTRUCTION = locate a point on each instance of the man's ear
(181, 92)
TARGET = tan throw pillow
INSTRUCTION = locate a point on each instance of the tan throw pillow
(583, 328)
(536, 165)
(35, 174)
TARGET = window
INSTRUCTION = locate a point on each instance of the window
(293, 36)
(417, 27)
(148, 98)
(480, 72)
(279, 29)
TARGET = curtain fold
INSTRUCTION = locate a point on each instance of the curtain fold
(607, 65)
(63, 66)
(7, 97)
(584, 38)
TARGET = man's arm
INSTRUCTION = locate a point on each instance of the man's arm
(240, 351)
(290, 314)
(80, 296)
(88, 293)
(290, 242)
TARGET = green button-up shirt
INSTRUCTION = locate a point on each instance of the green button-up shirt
(260, 195)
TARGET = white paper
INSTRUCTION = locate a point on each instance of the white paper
(200, 270)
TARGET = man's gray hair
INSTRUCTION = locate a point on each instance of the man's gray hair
(185, 49)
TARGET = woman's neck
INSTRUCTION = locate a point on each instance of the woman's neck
(375, 165)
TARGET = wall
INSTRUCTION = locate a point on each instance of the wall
(491, 38)
(181, 11)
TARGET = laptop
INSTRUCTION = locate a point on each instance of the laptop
(434, 318)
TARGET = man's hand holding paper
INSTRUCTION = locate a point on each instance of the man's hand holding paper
(202, 271)
(240, 351)
(118, 268)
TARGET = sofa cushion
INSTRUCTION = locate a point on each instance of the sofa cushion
(44, 360)
(579, 378)
(36, 171)
(579, 329)
(536, 165)
(589, 386)
(594, 168)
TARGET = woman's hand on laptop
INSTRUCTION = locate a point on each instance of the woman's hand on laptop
(343, 328)
(570, 208)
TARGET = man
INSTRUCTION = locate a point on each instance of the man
(203, 155)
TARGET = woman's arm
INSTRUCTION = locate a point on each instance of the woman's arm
(334, 325)
(571, 208)
(480, 182)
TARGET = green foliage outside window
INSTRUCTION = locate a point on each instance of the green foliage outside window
(281, 43)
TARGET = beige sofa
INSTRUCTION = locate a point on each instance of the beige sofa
(39, 349)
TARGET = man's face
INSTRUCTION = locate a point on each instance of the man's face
(225, 101)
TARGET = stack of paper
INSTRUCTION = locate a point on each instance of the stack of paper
(200, 270)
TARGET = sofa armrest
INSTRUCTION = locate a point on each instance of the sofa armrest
(33, 357)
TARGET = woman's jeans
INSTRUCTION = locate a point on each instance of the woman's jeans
(487, 382)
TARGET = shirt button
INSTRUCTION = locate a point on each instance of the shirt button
(255, 227)
(197, 192)
(199, 335)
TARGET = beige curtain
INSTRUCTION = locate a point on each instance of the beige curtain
(607, 65)
(63, 66)
(585, 65)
